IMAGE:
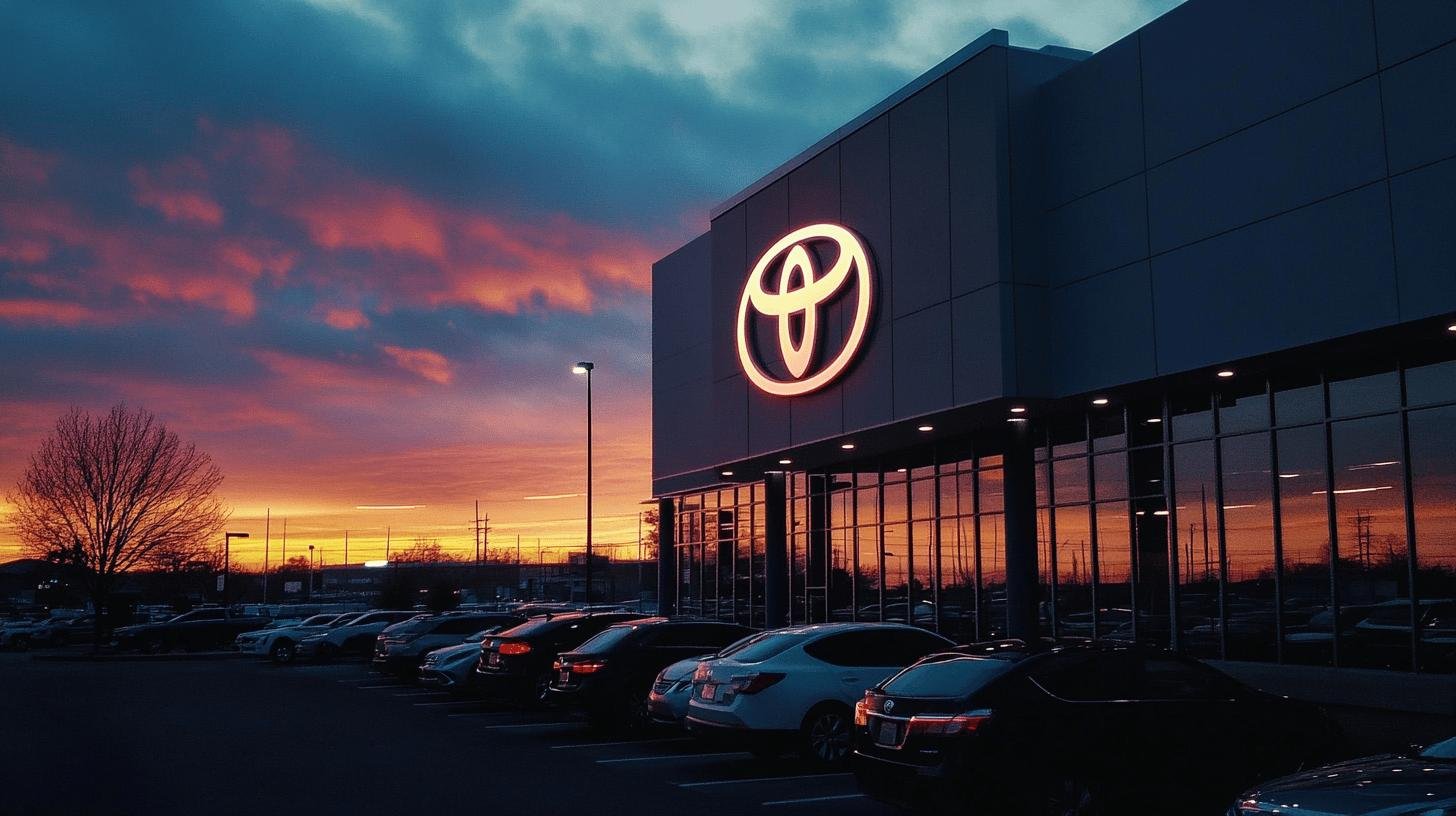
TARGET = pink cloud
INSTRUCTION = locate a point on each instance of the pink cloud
(174, 191)
(344, 319)
(34, 311)
(428, 364)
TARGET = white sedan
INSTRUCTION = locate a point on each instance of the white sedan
(279, 641)
(796, 687)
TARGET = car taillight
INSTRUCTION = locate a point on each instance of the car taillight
(861, 713)
(754, 683)
(588, 667)
(949, 725)
(514, 647)
(702, 673)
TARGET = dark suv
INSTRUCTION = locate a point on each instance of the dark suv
(610, 676)
(1076, 728)
(516, 664)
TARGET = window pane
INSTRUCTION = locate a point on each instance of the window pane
(1196, 538)
(1114, 571)
(1069, 436)
(897, 555)
(1192, 416)
(1304, 527)
(1074, 570)
(1147, 471)
(1373, 565)
(1243, 410)
(1248, 518)
(1110, 470)
(958, 578)
(896, 502)
(992, 498)
(1043, 495)
(1151, 573)
(841, 562)
(992, 619)
(1108, 431)
(1044, 567)
(867, 575)
(1299, 402)
(922, 499)
(1431, 384)
(867, 506)
(1146, 423)
(922, 578)
(1433, 488)
(1069, 480)
(1364, 395)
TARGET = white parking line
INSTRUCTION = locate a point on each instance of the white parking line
(390, 685)
(623, 742)
(668, 756)
(448, 702)
(528, 725)
(814, 799)
(420, 693)
(760, 779)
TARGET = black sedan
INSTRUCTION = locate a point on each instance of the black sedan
(205, 628)
(1076, 728)
(516, 664)
(610, 676)
(1416, 783)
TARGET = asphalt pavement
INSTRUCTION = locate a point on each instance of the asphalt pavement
(155, 738)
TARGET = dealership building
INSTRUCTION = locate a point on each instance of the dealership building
(1154, 344)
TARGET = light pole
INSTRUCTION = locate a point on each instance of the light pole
(309, 594)
(586, 368)
(227, 560)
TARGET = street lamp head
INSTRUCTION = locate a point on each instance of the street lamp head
(582, 368)
(236, 535)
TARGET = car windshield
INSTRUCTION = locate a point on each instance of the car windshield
(413, 625)
(316, 620)
(741, 644)
(947, 677)
(346, 620)
(773, 643)
(606, 639)
(1445, 749)
(536, 626)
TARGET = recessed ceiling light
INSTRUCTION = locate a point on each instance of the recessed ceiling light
(899, 470)
(727, 473)
(1160, 512)
(926, 428)
(1155, 420)
(1226, 373)
(847, 446)
(1289, 475)
(1451, 328)
(1100, 401)
(786, 461)
(1015, 419)
(1018, 409)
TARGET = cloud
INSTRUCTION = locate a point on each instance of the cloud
(430, 365)
(46, 312)
(174, 194)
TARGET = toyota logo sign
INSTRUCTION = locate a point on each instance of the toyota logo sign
(800, 290)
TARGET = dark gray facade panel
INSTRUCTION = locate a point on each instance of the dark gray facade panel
(1210, 68)
(1424, 209)
(1420, 109)
(1102, 330)
(864, 184)
(729, 252)
(679, 426)
(1328, 146)
(727, 435)
(1097, 232)
(690, 365)
(1322, 271)
(814, 198)
(1030, 343)
(978, 353)
(980, 204)
(814, 190)
(768, 422)
(1406, 28)
(919, 200)
(681, 298)
(1093, 124)
(923, 362)
(1027, 73)
(766, 220)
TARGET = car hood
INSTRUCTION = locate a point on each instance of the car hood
(291, 630)
(1385, 785)
(453, 652)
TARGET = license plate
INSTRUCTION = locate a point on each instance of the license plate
(710, 691)
(888, 734)
(565, 676)
(493, 660)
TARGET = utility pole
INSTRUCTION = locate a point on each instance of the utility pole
(477, 532)
(285, 541)
(346, 548)
(386, 545)
(267, 532)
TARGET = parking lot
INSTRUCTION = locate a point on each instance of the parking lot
(232, 735)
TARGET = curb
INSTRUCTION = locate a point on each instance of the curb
(136, 657)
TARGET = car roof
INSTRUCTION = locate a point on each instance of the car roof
(846, 626)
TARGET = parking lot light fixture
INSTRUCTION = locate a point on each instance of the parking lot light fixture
(227, 560)
(585, 367)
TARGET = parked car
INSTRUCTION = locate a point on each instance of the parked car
(279, 641)
(516, 664)
(668, 702)
(452, 668)
(400, 648)
(205, 628)
(796, 688)
(1419, 782)
(1085, 727)
(610, 676)
(353, 638)
(23, 633)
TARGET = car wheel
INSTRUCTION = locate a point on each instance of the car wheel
(1068, 796)
(283, 652)
(825, 735)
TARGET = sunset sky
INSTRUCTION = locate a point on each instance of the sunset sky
(351, 248)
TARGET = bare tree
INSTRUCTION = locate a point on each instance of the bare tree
(108, 494)
(425, 551)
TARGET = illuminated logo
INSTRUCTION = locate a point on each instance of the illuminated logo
(797, 295)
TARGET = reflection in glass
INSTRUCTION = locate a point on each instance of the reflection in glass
(991, 496)
(1365, 395)
(867, 574)
(1110, 472)
(1304, 530)
(1248, 525)
(841, 562)
(1433, 489)
(1428, 385)
(992, 619)
(1243, 409)
(1373, 579)
(1074, 571)
(1191, 415)
(896, 538)
(1069, 480)
(958, 578)
(1108, 430)
(1299, 402)
(922, 574)
(1196, 540)
(1114, 571)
